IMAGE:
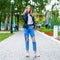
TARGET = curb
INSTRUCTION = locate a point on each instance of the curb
(53, 39)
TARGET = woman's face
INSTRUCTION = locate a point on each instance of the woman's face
(28, 9)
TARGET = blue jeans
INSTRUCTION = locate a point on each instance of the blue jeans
(29, 31)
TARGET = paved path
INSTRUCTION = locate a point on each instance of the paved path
(13, 48)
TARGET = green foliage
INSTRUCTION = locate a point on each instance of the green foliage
(5, 7)
(40, 4)
(55, 18)
(21, 23)
(46, 30)
(39, 18)
(59, 33)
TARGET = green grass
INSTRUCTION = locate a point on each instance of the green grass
(4, 36)
(59, 33)
(46, 30)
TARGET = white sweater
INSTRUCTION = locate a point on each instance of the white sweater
(30, 19)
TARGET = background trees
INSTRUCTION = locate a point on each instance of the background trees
(37, 5)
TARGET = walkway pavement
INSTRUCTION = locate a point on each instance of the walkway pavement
(13, 48)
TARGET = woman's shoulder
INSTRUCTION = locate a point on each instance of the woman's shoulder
(24, 14)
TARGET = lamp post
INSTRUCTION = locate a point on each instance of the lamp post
(17, 16)
(11, 27)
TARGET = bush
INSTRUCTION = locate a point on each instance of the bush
(59, 33)
(43, 29)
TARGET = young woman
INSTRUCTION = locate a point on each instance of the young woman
(29, 29)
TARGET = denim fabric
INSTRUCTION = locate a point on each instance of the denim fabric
(29, 30)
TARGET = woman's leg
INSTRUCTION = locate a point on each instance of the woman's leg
(27, 44)
(26, 35)
(33, 38)
(34, 44)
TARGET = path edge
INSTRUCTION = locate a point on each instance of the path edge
(52, 38)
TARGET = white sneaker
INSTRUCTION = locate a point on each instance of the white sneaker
(27, 54)
(36, 55)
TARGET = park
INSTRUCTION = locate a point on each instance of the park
(47, 29)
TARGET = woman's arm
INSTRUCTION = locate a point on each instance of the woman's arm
(24, 16)
(33, 22)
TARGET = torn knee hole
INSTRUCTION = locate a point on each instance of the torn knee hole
(27, 38)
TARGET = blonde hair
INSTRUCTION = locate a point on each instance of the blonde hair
(30, 9)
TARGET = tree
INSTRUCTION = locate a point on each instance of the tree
(40, 4)
(4, 10)
(55, 14)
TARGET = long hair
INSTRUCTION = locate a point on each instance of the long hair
(30, 10)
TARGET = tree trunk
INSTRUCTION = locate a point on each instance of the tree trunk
(6, 22)
(0, 22)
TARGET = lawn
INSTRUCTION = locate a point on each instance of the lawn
(4, 36)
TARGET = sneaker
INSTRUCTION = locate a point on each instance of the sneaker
(36, 55)
(27, 54)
